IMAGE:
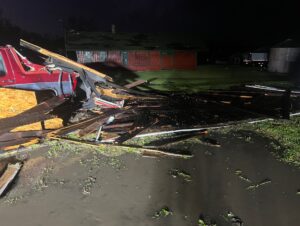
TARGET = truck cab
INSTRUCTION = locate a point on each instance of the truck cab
(16, 71)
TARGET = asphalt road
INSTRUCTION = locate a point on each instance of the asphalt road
(82, 188)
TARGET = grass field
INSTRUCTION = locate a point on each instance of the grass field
(284, 133)
(287, 133)
(209, 76)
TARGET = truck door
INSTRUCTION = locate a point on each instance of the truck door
(2, 66)
(6, 75)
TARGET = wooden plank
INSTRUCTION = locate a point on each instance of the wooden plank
(24, 134)
(130, 91)
(136, 83)
(119, 125)
(71, 128)
(104, 117)
(93, 127)
(135, 131)
(3, 166)
(35, 114)
(15, 142)
(45, 106)
(63, 59)
(16, 121)
(8, 176)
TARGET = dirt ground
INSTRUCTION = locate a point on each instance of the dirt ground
(79, 187)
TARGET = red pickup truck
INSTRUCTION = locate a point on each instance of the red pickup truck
(16, 71)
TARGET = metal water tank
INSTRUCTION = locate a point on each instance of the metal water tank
(282, 56)
(281, 59)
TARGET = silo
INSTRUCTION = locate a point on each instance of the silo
(283, 55)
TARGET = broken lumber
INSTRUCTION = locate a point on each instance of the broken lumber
(15, 142)
(8, 124)
(104, 117)
(135, 131)
(117, 126)
(35, 114)
(134, 84)
(79, 125)
(8, 176)
(63, 59)
(19, 135)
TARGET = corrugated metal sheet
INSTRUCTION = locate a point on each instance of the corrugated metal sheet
(281, 59)
(80, 57)
(139, 60)
(102, 56)
(184, 60)
(142, 60)
(85, 57)
(114, 57)
(167, 60)
(155, 64)
(124, 58)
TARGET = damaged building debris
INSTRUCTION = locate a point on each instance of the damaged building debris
(97, 112)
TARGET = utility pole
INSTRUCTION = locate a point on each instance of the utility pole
(64, 29)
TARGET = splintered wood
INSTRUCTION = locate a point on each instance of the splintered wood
(143, 114)
(8, 176)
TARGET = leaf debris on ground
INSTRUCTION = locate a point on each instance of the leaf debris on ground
(163, 212)
(179, 173)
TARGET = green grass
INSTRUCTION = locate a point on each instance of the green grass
(285, 135)
(209, 76)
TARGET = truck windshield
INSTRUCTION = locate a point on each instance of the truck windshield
(2, 66)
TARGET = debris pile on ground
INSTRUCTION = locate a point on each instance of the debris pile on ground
(147, 114)
(107, 114)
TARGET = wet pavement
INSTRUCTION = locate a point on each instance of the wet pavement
(87, 189)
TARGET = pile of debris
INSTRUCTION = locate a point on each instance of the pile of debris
(98, 112)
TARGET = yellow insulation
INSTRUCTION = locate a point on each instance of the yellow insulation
(14, 102)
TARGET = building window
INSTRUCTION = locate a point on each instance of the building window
(2, 66)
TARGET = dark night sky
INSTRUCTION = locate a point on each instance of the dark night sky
(224, 20)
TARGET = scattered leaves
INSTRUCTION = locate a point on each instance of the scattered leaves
(242, 177)
(179, 173)
(163, 212)
(255, 186)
